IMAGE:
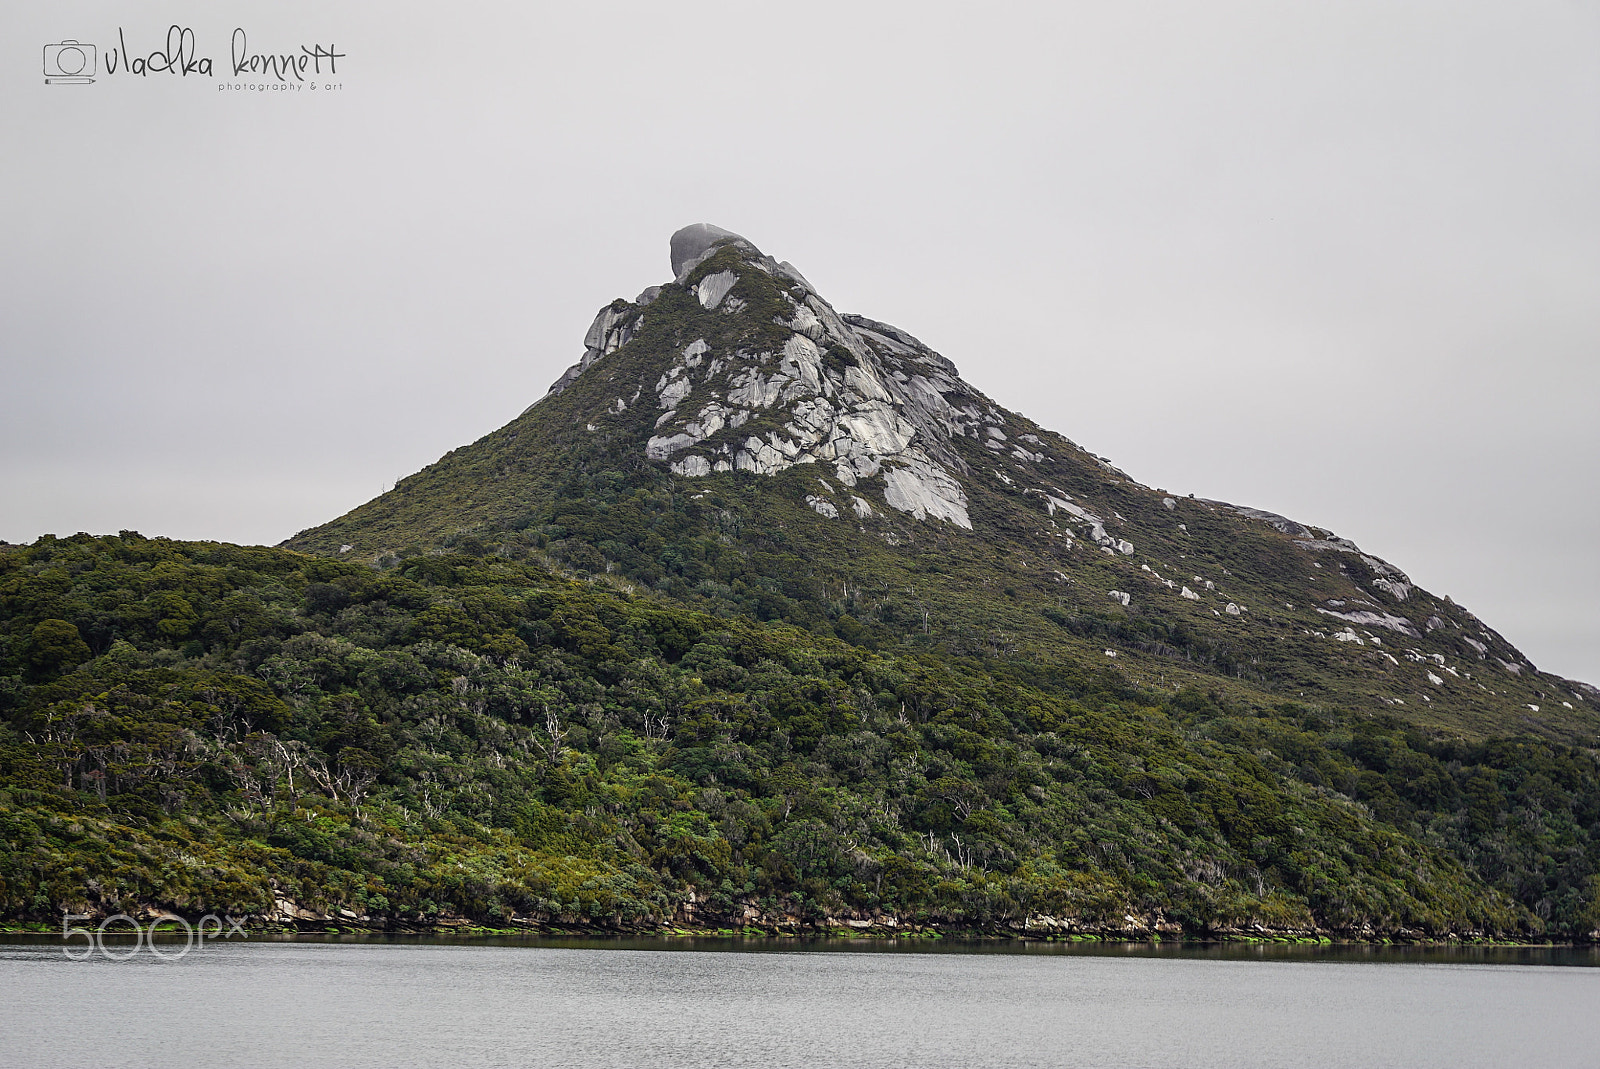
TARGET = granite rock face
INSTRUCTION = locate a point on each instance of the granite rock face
(865, 402)
(860, 399)
(613, 328)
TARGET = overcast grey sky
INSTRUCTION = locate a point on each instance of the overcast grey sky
(1336, 260)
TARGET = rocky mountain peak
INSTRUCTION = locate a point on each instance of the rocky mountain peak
(882, 469)
(861, 399)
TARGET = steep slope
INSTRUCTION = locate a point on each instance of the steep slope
(731, 441)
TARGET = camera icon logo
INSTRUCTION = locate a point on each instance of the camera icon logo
(69, 63)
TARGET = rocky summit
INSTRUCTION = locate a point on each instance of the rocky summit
(880, 406)
(852, 483)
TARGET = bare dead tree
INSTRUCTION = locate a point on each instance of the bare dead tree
(290, 755)
(555, 734)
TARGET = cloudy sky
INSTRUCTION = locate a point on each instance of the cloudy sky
(1340, 261)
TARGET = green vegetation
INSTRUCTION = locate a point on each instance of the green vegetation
(205, 726)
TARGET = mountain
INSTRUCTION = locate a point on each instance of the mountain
(764, 620)
(730, 441)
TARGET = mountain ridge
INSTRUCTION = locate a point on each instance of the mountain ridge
(739, 368)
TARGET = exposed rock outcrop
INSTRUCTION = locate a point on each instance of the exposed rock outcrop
(691, 245)
(1376, 619)
(863, 398)
(613, 328)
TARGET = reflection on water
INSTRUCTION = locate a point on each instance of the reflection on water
(395, 1001)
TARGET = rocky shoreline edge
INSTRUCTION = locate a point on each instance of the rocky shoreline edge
(1153, 931)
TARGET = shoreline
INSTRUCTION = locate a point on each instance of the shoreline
(928, 935)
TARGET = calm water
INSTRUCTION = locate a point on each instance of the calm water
(310, 1004)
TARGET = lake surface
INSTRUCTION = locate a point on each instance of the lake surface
(416, 1003)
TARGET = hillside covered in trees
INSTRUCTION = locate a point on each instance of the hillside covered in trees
(490, 737)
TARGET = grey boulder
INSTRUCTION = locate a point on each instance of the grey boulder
(691, 244)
